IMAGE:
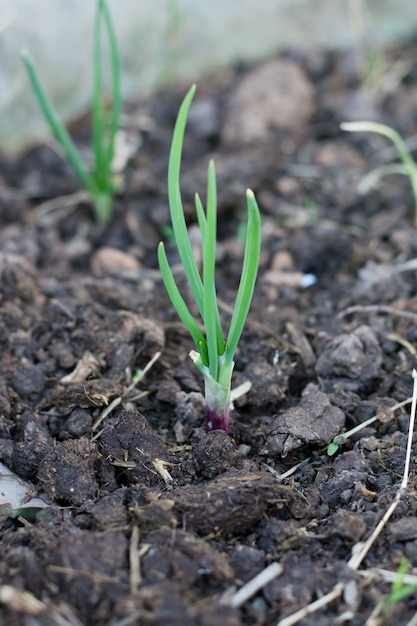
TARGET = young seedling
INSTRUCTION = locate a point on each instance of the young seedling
(214, 355)
(399, 589)
(100, 182)
(408, 166)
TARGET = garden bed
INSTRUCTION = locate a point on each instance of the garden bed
(151, 521)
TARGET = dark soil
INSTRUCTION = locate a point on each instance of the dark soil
(151, 521)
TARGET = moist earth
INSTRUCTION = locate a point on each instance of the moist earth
(149, 520)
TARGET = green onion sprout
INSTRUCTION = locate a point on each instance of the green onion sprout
(213, 355)
(100, 182)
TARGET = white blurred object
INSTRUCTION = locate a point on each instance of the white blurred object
(16, 495)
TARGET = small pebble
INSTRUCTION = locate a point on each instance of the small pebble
(109, 261)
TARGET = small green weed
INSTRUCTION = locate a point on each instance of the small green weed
(408, 166)
(399, 590)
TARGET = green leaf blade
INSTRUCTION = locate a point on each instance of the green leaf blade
(201, 218)
(399, 143)
(211, 313)
(176, 208)
(116, 108)
(248, 277)
(58, 129)
(98, 107)
(177, 299)
(104, 129)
